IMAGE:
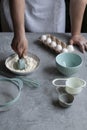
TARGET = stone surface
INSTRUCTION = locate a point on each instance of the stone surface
(38, 108)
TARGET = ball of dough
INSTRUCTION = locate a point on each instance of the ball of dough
(65, 50)
(59, 48)
(43, 37)
(53, 44)
(70, 48)
(49, 40)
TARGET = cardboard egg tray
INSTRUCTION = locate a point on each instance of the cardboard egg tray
(53, 38)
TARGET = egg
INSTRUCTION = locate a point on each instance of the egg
(59, 48)
(49, 41)
(65, 50)
(43, 37)
(70, 48)
(53, 44)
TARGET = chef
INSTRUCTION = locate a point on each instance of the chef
(41, 16)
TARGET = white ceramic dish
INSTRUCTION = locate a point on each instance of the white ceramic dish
(22, 72)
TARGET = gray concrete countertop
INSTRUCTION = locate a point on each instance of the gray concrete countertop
(38, 108)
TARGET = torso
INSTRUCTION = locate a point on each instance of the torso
(41, 15)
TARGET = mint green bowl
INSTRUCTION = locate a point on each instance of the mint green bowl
(68, 63)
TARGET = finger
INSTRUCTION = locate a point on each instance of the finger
(25, 52)
(20, 49)
(85, 46)
(19, 52)
(14, 46)
(71, 42)
(82, 47)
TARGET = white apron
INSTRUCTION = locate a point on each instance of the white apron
(40, 16)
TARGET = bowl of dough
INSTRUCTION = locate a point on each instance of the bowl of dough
(68, 63)
(27, 65)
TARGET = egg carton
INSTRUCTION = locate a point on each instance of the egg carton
(55, 43)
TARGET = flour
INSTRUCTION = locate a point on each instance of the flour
(31, 64)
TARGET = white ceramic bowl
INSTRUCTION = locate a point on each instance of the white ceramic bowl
(22, 72)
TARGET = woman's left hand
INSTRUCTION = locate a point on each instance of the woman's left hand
(80, 41)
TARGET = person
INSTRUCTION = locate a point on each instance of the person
(77, 8)
(41, 16)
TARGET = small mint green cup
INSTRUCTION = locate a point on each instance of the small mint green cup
(21, 64)
(68, 63)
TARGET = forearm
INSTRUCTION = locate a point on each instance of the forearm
(77, 8)
(17, 13)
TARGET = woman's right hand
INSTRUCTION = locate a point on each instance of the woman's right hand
(20, 45)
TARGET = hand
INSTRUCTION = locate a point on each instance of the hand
(20, 45)
(80, 41)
